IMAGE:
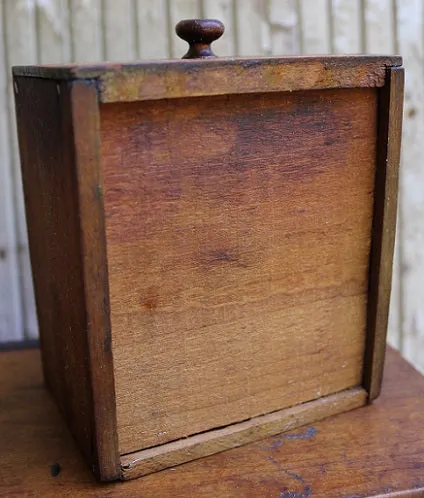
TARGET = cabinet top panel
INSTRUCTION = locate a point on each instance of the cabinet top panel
(155, 80)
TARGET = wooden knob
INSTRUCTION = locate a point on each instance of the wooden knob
(199, 34)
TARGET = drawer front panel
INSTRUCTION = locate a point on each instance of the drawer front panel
(238, 236)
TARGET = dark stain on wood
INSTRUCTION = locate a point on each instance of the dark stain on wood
(55, 469)
(277, 442)
(150, 300)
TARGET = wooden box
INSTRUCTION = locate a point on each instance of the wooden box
(211, 242)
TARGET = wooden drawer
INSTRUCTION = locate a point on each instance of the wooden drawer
(211, 243)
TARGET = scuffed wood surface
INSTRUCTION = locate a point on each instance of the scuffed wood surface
(214, 252)
(61, 30)
(384, 227)
(372, 451)
(184, 450)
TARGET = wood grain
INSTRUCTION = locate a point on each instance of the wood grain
(178, 79)
(86, 34)
(152, 29)
(58, 137)
(53, 32)
(86, 136)
(251, 28)
(11, 322)
(384, 228)
(373, 451)
(284, 26)
(346, 20)
(118, 30)
(44, 132)
(20, 46)
(233, 267)
(314, 29)
(190, 448)
(410, 32)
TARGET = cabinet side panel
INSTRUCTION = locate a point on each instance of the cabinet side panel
(48, 157)
(384, 227)
(86, 126)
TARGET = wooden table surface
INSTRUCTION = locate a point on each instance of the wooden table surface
(372, 451)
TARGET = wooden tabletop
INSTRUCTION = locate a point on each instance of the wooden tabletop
(372, 451)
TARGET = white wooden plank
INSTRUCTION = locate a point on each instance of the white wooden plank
(380, 39)
(379, 34)
(347, 26)
(153, 34)
(21, 43)
(11, 324)
(118, 30)
(253, 35)
(315, 26)
(223, 11)
(178, 10)
(86, 33)
(53, 32)
(284, 23)
(410, 44)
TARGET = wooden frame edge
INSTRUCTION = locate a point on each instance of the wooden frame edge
(384, 228)
(184, 450)
(86, 129)
(237, 76)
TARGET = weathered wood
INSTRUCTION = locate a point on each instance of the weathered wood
(387, 458)
(11, 323)
(118, 30)
(410, 41)
(253, 34)
(135, 82)
(20, 44)
(284, 23)
(53, 32)
(222, 249)
(86, 34)
(187, 449)
(346, 19)
(314, 27)
(384, 227)
(234, 242)
(154, 38)
(378, 27)
(97, 329)
(63, 207)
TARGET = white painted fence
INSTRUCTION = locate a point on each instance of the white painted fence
(53, 31)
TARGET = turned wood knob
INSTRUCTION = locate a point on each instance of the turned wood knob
(199, 34)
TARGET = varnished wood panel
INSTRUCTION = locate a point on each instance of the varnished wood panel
(238, 232)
